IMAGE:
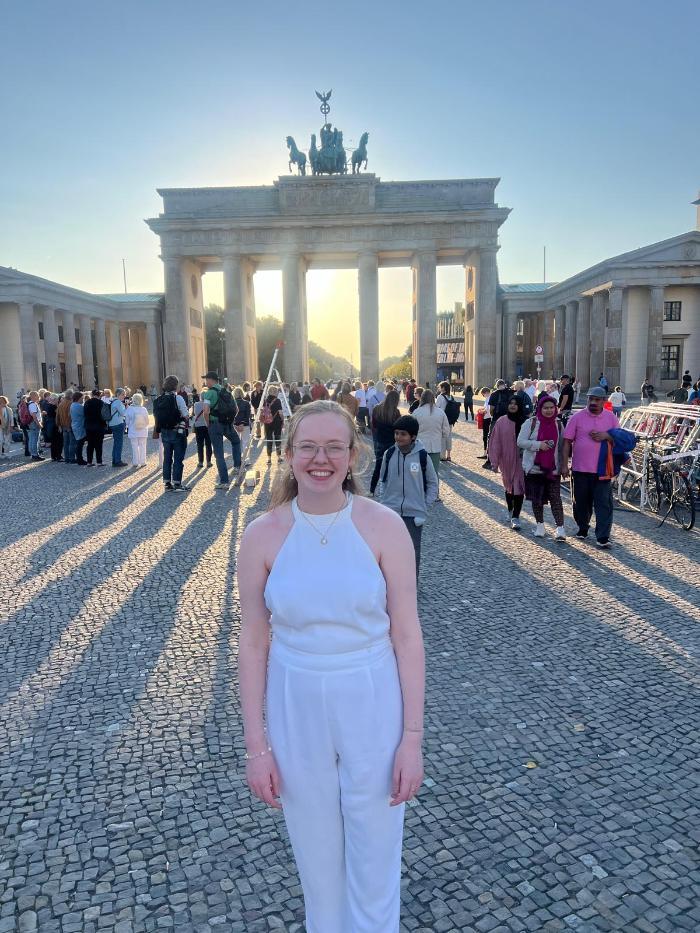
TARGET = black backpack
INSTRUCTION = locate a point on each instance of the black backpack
(106, 412)
(452, 407)
(225, 407)
(165, 412)
(422, 456)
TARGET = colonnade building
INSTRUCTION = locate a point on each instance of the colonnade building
(55, 336)
(632, 316)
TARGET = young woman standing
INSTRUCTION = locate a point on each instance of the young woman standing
(383, 417)
(504, 458)
(434, 428)
(342, 680)
(540, 439)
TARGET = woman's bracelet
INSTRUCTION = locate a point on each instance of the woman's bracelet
(408, 729)
(248, 757)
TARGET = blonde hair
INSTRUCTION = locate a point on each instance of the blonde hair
(137, 399)
(238, 392)
(3, 398)
(285, 487)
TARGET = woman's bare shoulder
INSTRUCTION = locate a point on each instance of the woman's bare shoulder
(269, 526)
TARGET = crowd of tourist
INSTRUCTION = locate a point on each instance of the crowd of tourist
(529, 431)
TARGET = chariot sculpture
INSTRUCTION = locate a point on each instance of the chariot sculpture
(332, 157)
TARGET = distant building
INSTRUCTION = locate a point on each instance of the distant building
(450, 345)
(53, 336)
(633, 316)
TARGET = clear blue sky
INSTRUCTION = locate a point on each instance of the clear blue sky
(587, 111)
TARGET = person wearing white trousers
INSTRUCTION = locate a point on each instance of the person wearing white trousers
(137, 424)
(343, 680)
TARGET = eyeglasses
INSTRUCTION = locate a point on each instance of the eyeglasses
(308, 450)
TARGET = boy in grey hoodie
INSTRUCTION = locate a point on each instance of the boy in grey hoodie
(408, 484)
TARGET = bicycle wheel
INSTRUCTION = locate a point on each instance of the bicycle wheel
(683, 501)
(629, 491)
(653, 491)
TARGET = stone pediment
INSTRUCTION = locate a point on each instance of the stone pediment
(680, 249)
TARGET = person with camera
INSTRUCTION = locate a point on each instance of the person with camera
(220, 410)
(171, 423)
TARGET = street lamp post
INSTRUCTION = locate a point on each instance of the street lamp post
(222, 338)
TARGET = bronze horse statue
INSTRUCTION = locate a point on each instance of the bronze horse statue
(360, 154)
(296, 156)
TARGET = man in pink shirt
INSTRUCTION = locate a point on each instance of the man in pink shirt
(586, 431)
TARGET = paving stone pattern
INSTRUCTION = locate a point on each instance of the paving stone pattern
(562, 788)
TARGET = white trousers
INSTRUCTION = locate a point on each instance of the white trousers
(138, 450)
(334, 723)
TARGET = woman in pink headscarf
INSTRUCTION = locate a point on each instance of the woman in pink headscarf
(540, 439)
(504, 457)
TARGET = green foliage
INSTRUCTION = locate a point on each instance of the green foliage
(320, 370)
(269, 332)
(388, 361)
(400, 370)
(213, 318)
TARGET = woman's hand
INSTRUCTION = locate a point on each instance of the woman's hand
(408, 769)
(264, 779)
(544, 445)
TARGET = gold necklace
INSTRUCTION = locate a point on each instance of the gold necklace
(324, 534)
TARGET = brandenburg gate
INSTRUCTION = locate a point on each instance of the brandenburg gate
(344, 221)
(329, 220)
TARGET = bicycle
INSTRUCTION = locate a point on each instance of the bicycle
(636, 484)
(672, 481)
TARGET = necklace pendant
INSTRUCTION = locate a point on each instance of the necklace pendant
(324, 540)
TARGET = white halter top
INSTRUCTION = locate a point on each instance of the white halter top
(326, 598)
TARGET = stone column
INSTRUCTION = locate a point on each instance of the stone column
(528, 362)
(570, 338)
(548, 367)
(88, 362)
(154, 374)
(103, 373)
(30, 357)
(425, 317)
(559, 330)
(69, 349)
(511, 338)
(368, 288)
(296, 351)
(654, 341)
(583, 342)
(485, 317)
(613, 337)
(51, 350)
(176, 320)
(115, 356)
(540, 330)
(597, 325)
(239, 319)
(125, 350)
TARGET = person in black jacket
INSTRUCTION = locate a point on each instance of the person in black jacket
(383, 417)
(255, 399)
(273, 428)
(94, 427)
(468, 402)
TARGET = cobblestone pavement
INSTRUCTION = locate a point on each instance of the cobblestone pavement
(562, 787)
